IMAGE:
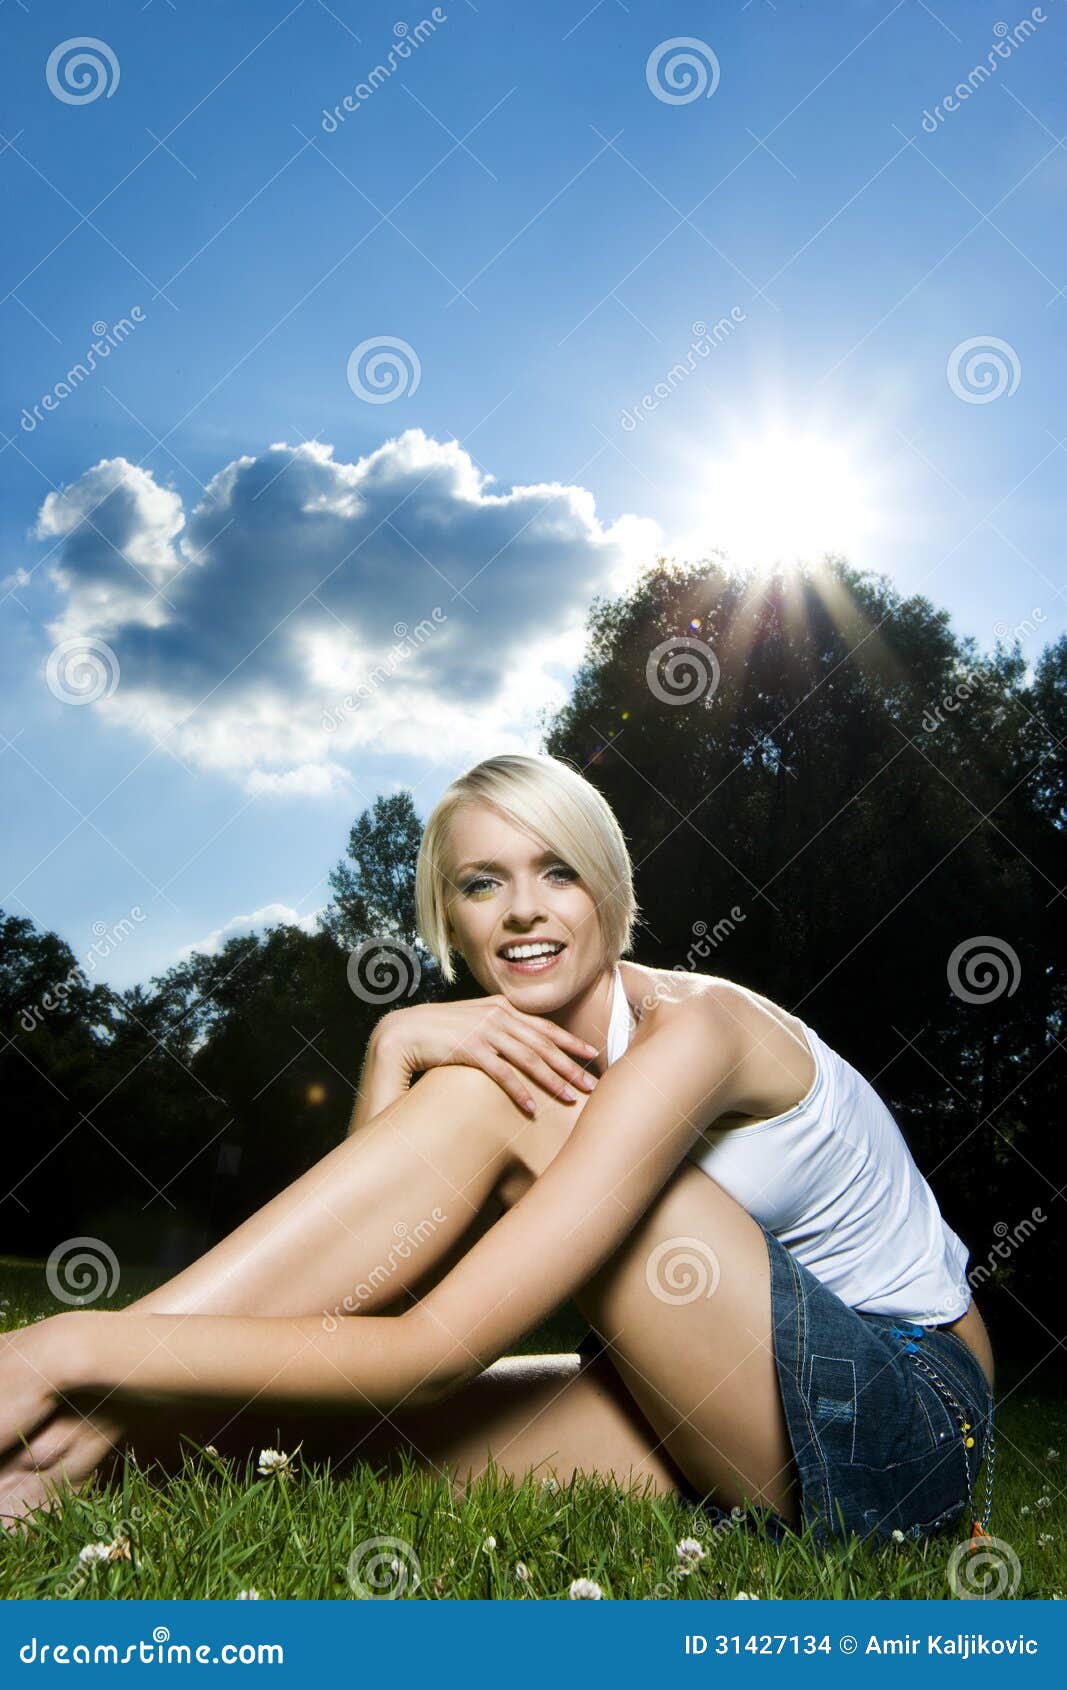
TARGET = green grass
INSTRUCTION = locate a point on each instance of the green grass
(219, 1527)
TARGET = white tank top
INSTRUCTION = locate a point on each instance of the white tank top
(834, 1180)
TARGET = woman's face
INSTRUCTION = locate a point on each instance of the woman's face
(524, 922)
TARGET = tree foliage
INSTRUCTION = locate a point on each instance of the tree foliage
(829, 796)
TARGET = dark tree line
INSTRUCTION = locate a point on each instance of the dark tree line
(829, 797)
(159, 1118)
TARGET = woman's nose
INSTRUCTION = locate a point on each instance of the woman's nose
(525, 908)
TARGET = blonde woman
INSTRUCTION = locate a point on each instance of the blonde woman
(783, 1317)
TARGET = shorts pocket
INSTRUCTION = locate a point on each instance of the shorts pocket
(961, 1365)
(831, 1394)
(934, 1415)
(928, 1417)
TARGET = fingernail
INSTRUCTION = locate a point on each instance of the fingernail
(571, 1096)
(589, 1081)
(530, 1106)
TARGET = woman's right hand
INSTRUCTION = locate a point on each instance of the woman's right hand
(491, 1034)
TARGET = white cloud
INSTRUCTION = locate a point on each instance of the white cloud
(309, 616)
(271, 915)
(307, 780)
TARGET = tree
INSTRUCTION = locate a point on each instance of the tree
(832, 799)
(374, 889)
(828, 796)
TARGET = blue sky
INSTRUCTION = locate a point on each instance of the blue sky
(296, 588)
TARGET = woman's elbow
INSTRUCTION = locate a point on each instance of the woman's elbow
(437, 1365)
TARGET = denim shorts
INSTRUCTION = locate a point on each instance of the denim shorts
(879, 1412)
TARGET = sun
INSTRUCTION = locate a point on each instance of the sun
(785, 497)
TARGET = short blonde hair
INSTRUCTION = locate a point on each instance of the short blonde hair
(553, 801)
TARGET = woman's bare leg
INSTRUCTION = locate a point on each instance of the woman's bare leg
(362, 1228)
(531, 1416)
(699, 1393)
(700, 1368)
(700, 1374)
(696, 1352)
(334, 1234)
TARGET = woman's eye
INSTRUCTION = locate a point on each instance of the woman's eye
(481, 885)
(478, 887)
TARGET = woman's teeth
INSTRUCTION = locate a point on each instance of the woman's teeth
(533, 958)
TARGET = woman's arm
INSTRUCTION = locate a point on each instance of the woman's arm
(647, 1111)
(489, 1033)
(649, 1108)
(384, 1077)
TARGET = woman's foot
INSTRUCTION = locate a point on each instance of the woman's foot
(63, 1454)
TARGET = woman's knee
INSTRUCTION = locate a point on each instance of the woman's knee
(472, 1095)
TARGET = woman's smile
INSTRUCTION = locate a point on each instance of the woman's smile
(533, 956)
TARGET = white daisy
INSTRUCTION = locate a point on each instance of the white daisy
(897, 1535)
(585, 1590)
(489, 1544)
(522, 1571)
(745, 1596)
(689, 1551)
(247, 1596)
(274, 1461)
(94, 1552)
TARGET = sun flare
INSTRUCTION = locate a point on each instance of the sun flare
(785, 497)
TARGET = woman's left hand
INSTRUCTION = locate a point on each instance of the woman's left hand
(33, 1377)
(43, 1442)
(61, 1456)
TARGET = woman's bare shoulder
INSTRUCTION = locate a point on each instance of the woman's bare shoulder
(661, 991)
(778, 1060)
